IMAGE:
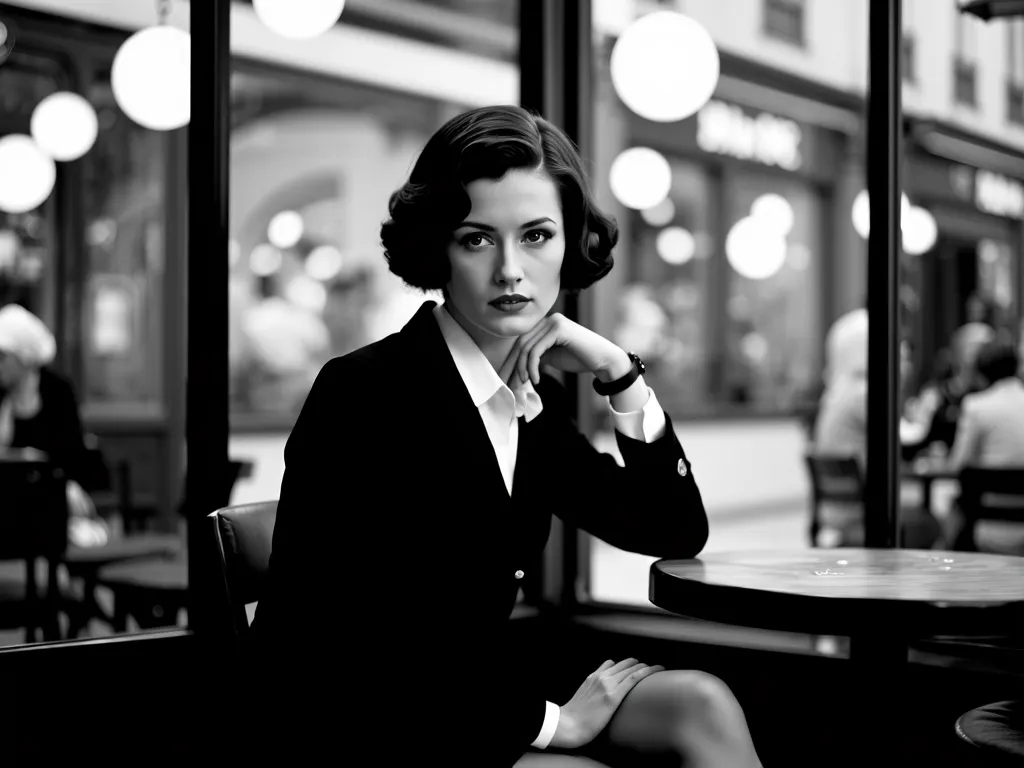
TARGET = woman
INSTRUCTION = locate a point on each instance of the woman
(423, 471)
(38, 411)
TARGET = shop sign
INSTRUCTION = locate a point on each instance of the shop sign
(726, 129)
(999, 195)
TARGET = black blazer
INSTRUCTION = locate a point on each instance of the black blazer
(396, 547)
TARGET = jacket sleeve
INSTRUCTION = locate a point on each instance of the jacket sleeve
(650, 506)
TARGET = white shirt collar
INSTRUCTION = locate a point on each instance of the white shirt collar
(479, 375)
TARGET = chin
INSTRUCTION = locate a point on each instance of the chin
(510, 326)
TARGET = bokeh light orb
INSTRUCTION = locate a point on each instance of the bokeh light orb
(285, 229)
(774, 211)
(675, 245)
(755, 251)
(920, 231)
(664, 66)
(27, 174)
(299, 19)
(64, 125)
(640, 178)
(152, 77)
(660, 215)
(324, 263)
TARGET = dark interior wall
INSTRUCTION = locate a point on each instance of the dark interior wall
(166, 700)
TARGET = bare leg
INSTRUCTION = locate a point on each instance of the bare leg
(536, 760)
(678, 717)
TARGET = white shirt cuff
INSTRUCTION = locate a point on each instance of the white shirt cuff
(547, 730)
(646, 425)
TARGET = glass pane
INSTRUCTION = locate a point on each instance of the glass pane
(963, 238)
(776, 329)
(90, 262)
(122, 306)
(317, 147)
(725, 287)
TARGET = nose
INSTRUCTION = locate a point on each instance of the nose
(509, 269)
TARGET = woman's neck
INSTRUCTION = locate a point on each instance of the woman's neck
(495, 348)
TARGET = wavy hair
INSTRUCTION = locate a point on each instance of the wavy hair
(487, 143)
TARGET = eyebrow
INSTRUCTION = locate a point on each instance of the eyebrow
(489, 228)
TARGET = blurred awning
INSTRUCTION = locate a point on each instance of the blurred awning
(951, 143)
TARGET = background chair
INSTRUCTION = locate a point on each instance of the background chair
(152, 590)
(33, 525)
(835, 478)
(243, 536)
(988, 494)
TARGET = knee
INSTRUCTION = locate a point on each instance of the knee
(699, 700)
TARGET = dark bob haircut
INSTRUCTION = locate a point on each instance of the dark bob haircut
(997, 360)
(487, 143)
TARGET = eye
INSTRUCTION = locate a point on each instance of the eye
(537, 236)
(473, 240)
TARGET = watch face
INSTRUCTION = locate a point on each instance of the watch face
(639, 363)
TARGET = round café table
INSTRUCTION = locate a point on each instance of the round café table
(880, 598)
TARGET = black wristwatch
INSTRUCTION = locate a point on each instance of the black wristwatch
(623, 383)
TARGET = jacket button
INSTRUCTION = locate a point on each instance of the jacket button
(681, 468)
(519, 574)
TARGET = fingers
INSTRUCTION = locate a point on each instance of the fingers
(531, 361)
(627, 679)
(613, 669)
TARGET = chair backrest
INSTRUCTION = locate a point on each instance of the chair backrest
(990, 493)
(834, 477)
(244, 534)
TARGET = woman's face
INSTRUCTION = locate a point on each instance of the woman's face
(12, 370)
(512, 242)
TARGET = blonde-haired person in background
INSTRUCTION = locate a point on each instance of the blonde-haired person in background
(841, 429)
(38, 410)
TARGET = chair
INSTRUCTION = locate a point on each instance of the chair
(988, 493)
(992, 736)
(834, 477)
(243, 535)
(153, 589)
(33, 525)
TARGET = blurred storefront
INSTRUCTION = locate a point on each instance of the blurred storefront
(726, 287)
(975, 190)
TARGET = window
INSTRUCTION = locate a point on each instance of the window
(965, 59)
(29, 252)
(784, 19)
(312, 167)
(122, 304)
(1015, 71)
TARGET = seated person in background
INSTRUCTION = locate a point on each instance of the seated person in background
(990, 433)
(939, 408)
(841, 430)
(38, 410)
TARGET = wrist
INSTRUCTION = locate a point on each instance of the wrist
(566, 735)
(618, 365)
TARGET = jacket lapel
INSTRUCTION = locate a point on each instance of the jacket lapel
(464, 453)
